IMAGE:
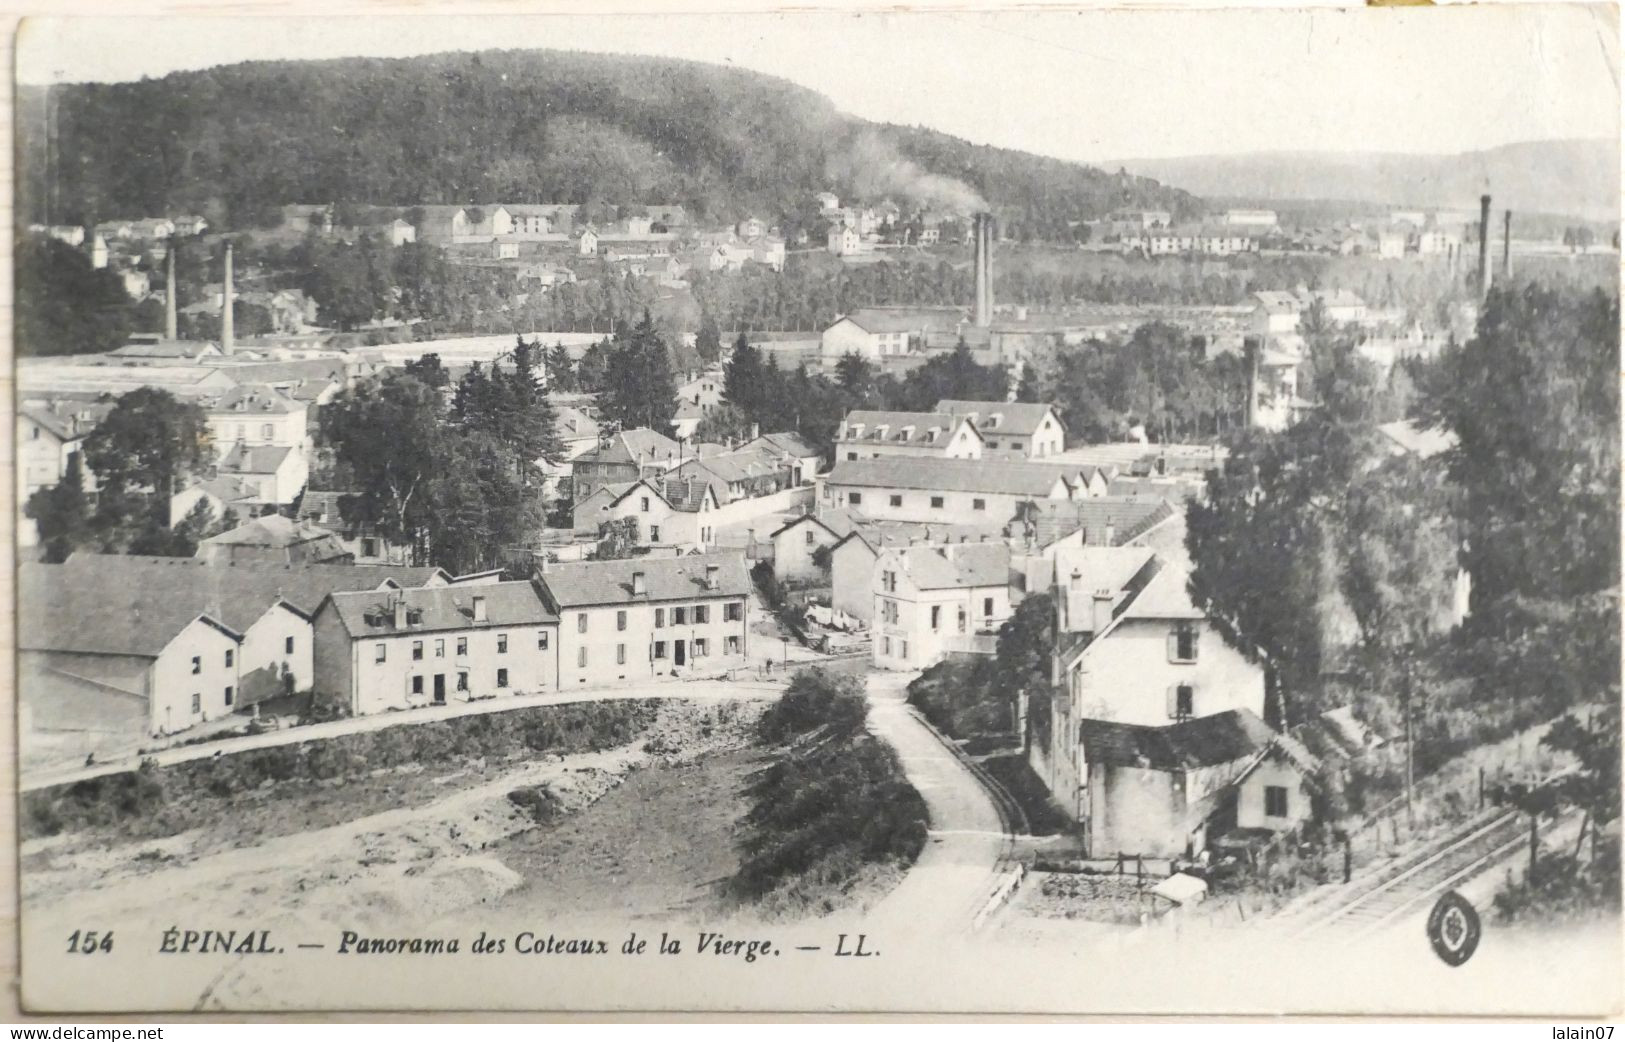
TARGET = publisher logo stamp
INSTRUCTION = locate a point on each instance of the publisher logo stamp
(1454, 929)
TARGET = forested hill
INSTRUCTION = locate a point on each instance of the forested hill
(512, 126)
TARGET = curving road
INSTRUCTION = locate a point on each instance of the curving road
(957, 870)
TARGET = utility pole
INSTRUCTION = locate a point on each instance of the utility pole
(1410, 749)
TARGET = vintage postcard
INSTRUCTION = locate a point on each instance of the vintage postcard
(1077, 512)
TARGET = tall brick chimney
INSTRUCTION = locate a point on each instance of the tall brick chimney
(982, 240)
(171, 322)
(227, 300)
(1506, 247)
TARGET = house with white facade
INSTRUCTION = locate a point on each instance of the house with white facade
(672, 512)
(855, 556)
(943, 490)
(648, 617)
(277, 473)
(404, 648)
(254, 414)
(1011, 430)
(880, 434)
(931, 600)
(876, 333)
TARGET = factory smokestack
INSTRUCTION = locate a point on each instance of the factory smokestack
(1483, 245)
(227, 299)
(1506, 248)
(171, 322)
(983, 238)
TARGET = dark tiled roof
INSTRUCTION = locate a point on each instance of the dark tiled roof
(1203, 742)
(905, 319)
(236, 594)
(949, 475)
(1019, 418)
(255, 459)
(957, 566)
(788, 443)
(1128, 518)
(438, 609)
(77, 610)
(665, 579)
(910, 428)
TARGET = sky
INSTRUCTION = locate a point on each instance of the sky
(1091, 86)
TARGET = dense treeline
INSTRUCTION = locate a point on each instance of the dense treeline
(515, 126)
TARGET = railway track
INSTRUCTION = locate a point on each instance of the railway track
(1411, 886)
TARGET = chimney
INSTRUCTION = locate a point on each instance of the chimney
(711, 571)
(638, 586)
(479, 609)
(228, 298)
(755, 431)
(1506, 248)
(982, 239)
(1483, 245)
(398, 603)
(171, 322)
(1103, 611)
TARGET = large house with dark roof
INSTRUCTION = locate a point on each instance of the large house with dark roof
(1131, 649)
(646, 617)
(880, 434)
(385, 649)
(671, 512)
(875, 333)
(927, 489)
(274, 539)
(1011, 430)
(621, 459)
(932, 600)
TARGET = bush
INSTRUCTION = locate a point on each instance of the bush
(964, 699)
(815, 699)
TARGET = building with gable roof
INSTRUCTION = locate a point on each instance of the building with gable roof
(621, 459)
(672, 512)
(932, 600)
(274, 539)
(882, 434)
(943, 490)
(403, 648)
(875, 333)
(276, 473)
(254, 414)
(1011, 430)
(644, 617)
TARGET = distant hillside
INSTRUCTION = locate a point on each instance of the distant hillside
(1578, 178)
(512, 126)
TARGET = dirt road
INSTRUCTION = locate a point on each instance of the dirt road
(955, 872)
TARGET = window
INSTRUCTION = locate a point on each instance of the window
(702, 614)
(440, 649)
(230, 654)
(287, 646)
(620, 620)
(811, 537)
(1182, 643)
(645, 504)
(936, 502)
(654, 533)
(660, 618)
(897, 501)
(902, 652)
(1184, 702)
(369, 548)
(660, 649)
(581, 656)
(962, 620)
(502, 643)
(462, 681)
(852, 455)
(730, 645)
(992, 444)
(417, 650)
(987, 607)
(854, 498)
(978, 504)
(229, 693)
(197, 703)
(266, 431)
(733, 611)
(417, 685)
(885, 645)
(1275, 801)
(702, 647)
(502, 678)
(541, 640)
(620, 654)
(197, 663)
(888, 581)
(679, 616)
(888, 611)
(379, 652)
(462, 645)
(581, 623)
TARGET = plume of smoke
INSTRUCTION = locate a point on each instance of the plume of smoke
(874, 168)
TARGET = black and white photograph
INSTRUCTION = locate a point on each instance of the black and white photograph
(1062, 512)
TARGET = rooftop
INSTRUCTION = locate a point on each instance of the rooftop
(437, 609)
(905, 319)
(956, 566)
(911, 428)
(1021, 418)
(589, 583)
(1205, 741)
(949, 475)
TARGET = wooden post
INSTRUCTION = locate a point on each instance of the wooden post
(1348, 859)
(1481, 788)
(1534, 845)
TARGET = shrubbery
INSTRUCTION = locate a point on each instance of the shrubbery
(153, 801)
(828, 807)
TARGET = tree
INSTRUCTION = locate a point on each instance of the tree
(744, 381)
(593, 369)
(61, 513)
(429, 371)
(954, 375)
(708, 341)
(146, 445)
(639, 390)
(617, 539)
(855, 375)
(560, 370)
(65, 306)
(389, 431)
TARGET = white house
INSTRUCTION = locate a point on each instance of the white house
(666, 511)
(880, 332)
(399, 649)
(854, 557)
(930, 600)
(254, 414)
(1011, 430)
(277, 473)
(587, 243)
(943, 490)
(1132, 649)
(641, 618)
(874, 434)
